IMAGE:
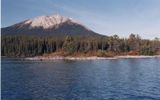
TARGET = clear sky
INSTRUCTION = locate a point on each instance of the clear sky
(108, 17)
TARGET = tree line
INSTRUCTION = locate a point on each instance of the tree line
(23, 46)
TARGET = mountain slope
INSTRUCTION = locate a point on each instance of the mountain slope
(55, 25)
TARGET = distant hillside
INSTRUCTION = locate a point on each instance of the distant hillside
(55, 25)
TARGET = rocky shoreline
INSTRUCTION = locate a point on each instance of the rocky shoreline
(86, 58)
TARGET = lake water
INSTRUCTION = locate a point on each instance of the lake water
(120, 79)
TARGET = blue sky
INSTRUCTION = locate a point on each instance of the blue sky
(108, 17)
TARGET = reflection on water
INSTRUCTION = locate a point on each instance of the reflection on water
(121, 79)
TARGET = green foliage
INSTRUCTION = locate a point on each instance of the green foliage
(69, 45)
(22, 46)
(147, 48)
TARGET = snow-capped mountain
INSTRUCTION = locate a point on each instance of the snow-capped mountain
(50, 21)
(55, 25)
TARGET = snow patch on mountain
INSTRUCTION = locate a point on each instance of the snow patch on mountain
(50, 21)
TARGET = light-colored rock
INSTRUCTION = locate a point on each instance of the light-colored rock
(85, 58)
(50, 21)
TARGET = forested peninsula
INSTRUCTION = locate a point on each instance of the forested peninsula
(85, 46)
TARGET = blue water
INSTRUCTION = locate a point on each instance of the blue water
(121, 79)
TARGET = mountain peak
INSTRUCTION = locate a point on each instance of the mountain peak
(46, 21)
(54, 25)
(58, 15)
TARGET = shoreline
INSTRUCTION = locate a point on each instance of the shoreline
(87, 58)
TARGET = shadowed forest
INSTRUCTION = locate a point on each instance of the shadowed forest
(25, 46)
